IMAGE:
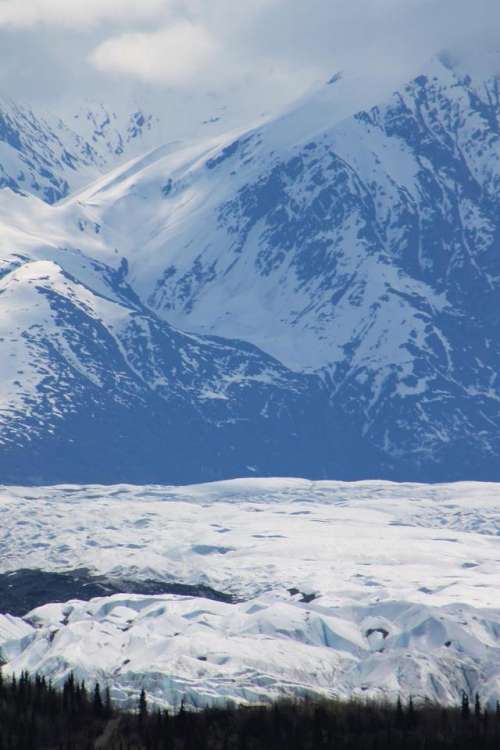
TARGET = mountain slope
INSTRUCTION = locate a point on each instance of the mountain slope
(95, 386)
(44, 156)
(359, 250)
(365, 247)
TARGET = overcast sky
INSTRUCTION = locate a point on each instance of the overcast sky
(250, 55)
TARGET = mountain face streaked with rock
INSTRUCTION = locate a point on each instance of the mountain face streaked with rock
(95, 385)
(337, 275)
(44, 156)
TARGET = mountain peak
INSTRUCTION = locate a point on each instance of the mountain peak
(348, 251)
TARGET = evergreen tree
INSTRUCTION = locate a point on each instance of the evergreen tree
(83, 692)
(465, 710)
(108, 706)
(412, 716)
(97, 701)
(477, 707)
(143, 706)
(399, 712)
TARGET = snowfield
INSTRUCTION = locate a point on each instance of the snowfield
(369, 588)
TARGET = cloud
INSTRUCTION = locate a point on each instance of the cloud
(75, 13)
(215, 56)
(171, 55)
(198, 40)
(291, 39)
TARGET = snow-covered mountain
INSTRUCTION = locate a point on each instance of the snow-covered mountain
(359, 248)
(94, 385)
(43, 155)
(369, 589)
(362, 246)
(318, 295)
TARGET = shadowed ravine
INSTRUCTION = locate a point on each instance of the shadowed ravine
(24, 590)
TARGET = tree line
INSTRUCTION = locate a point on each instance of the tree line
(35, 715)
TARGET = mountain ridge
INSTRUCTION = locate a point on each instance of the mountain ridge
(46, 156)
(358, 250)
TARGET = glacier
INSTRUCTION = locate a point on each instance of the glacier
(372, 589)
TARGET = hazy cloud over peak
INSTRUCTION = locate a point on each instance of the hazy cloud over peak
(171, 55)
(206, 57)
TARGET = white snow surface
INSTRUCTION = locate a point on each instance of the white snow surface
(406, 582)
(178, 221)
